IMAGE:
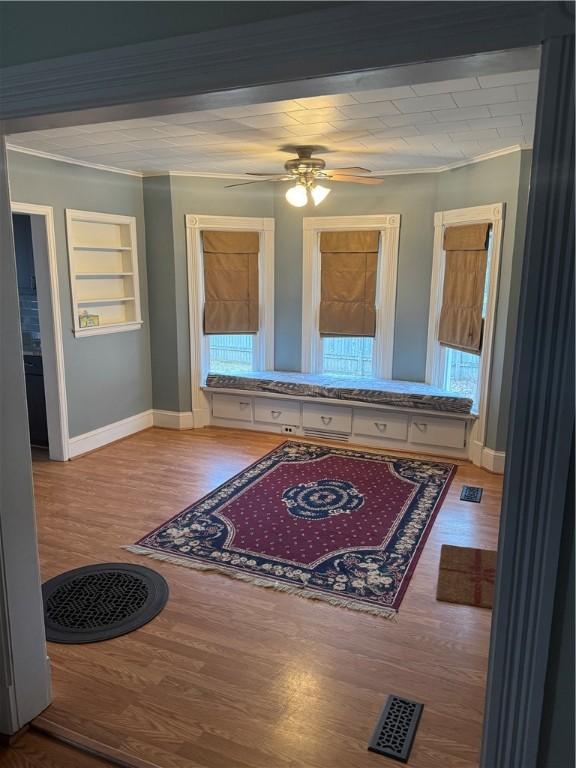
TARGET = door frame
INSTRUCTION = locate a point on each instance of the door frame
(175, 75)
(50, 331)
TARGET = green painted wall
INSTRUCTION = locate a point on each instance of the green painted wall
(167, 261)
(412, 196)
(108, 377)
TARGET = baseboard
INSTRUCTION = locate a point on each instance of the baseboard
(493, 461)
(481, 456)
(173, 419)
(89, 441)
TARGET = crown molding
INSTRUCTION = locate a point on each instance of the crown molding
(69, 160)
(208, 175)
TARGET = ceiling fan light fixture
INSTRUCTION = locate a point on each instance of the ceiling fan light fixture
(319, 193)
(297, 195)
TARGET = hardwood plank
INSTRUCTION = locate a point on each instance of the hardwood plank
(234, 676)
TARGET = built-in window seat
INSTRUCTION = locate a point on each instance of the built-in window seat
(397, 414)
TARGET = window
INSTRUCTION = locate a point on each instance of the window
(456, 370)
(230, 353)
(461, 370)
(347, 355)
(241, 336)
(333, 352)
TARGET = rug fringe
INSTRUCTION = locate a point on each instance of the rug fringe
(342, 602)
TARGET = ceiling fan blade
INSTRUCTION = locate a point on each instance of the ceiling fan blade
(353, 170)
(356, 179)
(270, 175)
(243, 183)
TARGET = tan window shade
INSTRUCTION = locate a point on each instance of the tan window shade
(348, 283)
(464, 279)
(230, 282)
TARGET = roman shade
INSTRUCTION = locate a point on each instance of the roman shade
(230, 282)
(349, 263)
(461, 323)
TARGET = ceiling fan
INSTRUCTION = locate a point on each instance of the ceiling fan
(306, 171)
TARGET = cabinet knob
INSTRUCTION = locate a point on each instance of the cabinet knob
(326, 419)
(380, 426)
(275, 414)
(244, 405)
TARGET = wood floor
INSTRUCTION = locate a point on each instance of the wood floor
(234, 676)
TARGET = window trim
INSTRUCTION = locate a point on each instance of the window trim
(490, 214)
(389, 227)
(263, 348)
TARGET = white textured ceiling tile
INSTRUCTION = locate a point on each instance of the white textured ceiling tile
(201, 116)
(425, 141)
(446, 86)
(509, 78)
(99, 151)
(374, 109)
(528, 121)
(178, 130)
(252, 110)
(220, 126)
(152, 145)
(485, 96)
(324, 115)
(361, 124)
(198, 140)
(517, 132)
(460, 125)
(485, 135)
(425, 103)
(384, 94)
(496, 122)
(467, 147)
(308, 130)
(513, 108)
(418, 118)
(336, 100)
(467, 113)
(527, 91)
(393, 133)
(267, 121)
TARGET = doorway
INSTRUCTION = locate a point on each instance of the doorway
(41, 328)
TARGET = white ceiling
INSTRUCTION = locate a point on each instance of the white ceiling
(417, 126)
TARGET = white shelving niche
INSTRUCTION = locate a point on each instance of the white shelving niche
(103, 259)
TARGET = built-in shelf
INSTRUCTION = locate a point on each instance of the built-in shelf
(103, 260)
(103, 248)
(110, 300)
(103, 275)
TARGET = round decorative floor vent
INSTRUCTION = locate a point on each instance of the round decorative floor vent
(98, 602)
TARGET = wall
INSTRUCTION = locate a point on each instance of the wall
(108, 377)
(188, 195)
(412, 196)
(496, 181)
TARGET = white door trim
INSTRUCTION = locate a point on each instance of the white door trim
(491, 214)
(389, 226)
(264, 342)
(51, 336)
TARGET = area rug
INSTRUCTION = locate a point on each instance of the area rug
(331, 524)
(466, 576)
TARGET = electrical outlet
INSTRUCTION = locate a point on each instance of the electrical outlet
(288, 430)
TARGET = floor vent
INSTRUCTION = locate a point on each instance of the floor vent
(471, 493)
(394, 734)
(341, 437)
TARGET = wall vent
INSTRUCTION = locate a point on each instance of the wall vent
(324, 434)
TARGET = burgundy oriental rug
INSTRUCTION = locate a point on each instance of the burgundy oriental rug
(331, 524)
